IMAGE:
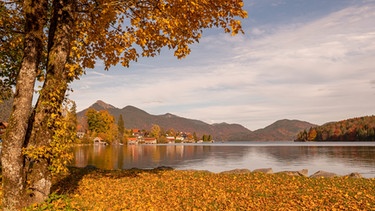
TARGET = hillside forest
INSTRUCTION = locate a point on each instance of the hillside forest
(354, 129)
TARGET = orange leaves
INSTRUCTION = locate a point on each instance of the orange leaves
(200, 190)
(111, 29)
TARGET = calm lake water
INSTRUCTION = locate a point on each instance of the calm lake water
(340, 157)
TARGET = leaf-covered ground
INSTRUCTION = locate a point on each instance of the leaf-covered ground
(200, 190)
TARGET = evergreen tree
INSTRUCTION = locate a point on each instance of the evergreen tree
(195, 137)
(204, 137)
(121, 128)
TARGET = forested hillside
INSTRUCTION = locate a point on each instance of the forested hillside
(355, 129)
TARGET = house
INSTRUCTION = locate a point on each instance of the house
(150, 140)
(180, 138)
(80, 131)
(136, 132)
(80, 135)
(99, 140)
(170, 139)
(132, 140)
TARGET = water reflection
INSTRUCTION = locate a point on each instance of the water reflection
(220, 157)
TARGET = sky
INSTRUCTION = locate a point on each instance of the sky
(298, 59)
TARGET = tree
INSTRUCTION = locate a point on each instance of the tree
(71, 118)
(102, 124)
(209, 138)
(155, 131)
(204, 138)
(121, 128)
(61, 145)
(93, 120)
(15, 185)
(311, 136)
(55, 41)
(10, 49)
(195, 137)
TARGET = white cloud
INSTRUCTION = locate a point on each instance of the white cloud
(318, 71)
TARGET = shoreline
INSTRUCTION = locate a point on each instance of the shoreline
(301, 173)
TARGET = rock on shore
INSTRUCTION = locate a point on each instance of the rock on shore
(324, 174)
(301, 173)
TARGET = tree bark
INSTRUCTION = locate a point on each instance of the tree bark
(14, 180)
(27, 181)
(51, 96)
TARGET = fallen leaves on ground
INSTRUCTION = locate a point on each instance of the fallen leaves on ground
(202, 190)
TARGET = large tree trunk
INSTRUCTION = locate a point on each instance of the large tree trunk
(26, 180)
(13, 177)
(51, 96)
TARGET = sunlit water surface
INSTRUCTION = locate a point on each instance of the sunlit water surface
(339, 157)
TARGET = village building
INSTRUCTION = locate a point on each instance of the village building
(136, 132)
(150, 140)
(132, 140)
(170, 139)
(80, 131)
(98, 140)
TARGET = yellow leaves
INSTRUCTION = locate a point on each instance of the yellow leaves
(112, 29)
(73, 71)
(36, 153)
(135, 21)
(58, 150)
(200, 190)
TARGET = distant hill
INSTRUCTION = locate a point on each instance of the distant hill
(280, 130)
(137, 118)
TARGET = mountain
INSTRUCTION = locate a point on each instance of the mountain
(280, 130)
(137, 118)
(100, 105)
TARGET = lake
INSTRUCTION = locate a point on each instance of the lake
(339, 157)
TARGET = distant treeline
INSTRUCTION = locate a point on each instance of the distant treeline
(355, 129)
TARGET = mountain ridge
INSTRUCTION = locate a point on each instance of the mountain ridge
(281, 130)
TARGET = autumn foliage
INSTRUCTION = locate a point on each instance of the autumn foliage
(355, 129)
(56, 42)
(157, 189)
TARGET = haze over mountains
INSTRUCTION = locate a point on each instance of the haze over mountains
(282, 130)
